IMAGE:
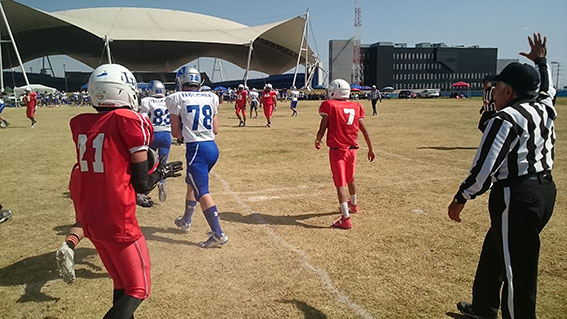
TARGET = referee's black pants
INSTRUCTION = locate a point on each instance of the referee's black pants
(374, 111)
(519, 209)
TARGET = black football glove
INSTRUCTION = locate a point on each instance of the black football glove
(144, 200)
(179, 141)
(171, 169)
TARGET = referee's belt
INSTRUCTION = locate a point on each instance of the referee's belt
(541, 176)
(352, 147)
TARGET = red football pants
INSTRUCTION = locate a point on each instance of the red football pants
(342, 162)
(128, 264)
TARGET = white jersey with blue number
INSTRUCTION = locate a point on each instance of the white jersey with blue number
(196, 111)
(294, 95)
(157, 112)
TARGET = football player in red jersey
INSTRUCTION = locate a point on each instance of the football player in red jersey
(31, 104)
(342, 119)
(113, 165)
(269, 101)
(241, 98)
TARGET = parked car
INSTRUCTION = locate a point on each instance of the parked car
(406, 94)
(430, 93)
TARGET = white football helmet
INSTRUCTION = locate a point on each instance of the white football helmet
(113, 86)
(338, 89)
(268, 86)
(240, 86)
(156, 88)
(187, 75)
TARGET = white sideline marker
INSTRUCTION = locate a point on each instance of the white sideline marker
(323, 276)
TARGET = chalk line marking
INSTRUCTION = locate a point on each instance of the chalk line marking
(323, 276)
(16, 144)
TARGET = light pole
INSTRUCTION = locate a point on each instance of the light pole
(65, 76)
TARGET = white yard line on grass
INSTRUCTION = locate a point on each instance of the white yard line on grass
(16, 144)
(323, 275)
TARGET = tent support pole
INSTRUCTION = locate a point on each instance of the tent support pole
(14, 44)
(303, 39)
(250, 48)
(107, 46)
(1, 69)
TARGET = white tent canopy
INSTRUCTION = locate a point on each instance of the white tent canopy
(40, 88)
(145, 39)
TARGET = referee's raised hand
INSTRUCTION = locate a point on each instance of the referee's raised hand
(538, 47)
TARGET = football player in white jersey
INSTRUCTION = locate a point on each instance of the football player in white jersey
(194, 117)
(253, 100)
(294, 93)
(154, 108)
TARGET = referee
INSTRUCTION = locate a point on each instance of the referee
(515, 158)
(488, 110)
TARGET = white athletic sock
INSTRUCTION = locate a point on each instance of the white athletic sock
(344, 210)
(353, 199)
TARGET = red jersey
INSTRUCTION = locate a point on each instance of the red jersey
(104, 198)
(31, 100)
(344, 117)
(268, 97)
(241, 97)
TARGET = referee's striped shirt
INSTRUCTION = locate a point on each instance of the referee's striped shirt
(488, 95)
(518, 141)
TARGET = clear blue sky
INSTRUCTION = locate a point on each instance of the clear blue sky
(502, 24)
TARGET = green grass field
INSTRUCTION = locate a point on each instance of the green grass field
(403, 258)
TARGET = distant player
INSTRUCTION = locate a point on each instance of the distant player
(240, 106)
(253, 98)
(154, 107)
(112, 156)
(31, 104)
(194, 118)
(2, 106)
(294, 94)
(342, 119)
(269, 101)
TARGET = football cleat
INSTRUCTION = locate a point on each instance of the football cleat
(352, 208)
(342, 223)
(467, 309)
(185, 227)
(161, 191)
(66, 263)
(214, 241)
(4, 214)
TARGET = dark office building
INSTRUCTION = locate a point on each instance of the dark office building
(425, 66)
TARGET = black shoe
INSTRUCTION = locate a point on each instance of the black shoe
(467, 309)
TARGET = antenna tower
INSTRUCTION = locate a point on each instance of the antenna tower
(357, 74)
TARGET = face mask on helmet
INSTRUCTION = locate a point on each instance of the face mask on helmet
(113, 86)
(338, 89)
(187, 76)
(156, 88)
